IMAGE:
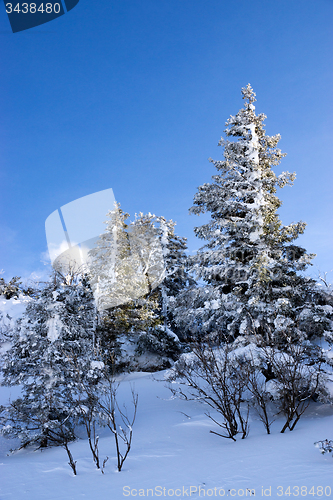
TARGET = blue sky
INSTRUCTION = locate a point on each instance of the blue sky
(134, 95)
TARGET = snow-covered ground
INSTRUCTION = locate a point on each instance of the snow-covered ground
(173, 454)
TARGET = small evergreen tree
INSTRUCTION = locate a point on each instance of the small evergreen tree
(57, 328)
(14, 287)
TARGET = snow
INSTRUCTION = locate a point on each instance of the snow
(170, 333)
(329, 386)
(96, 365)
(213, 304)
(13, 309)
(173, 449)
(281, 323)
(255, 235)
(253, 153)
(54, 327)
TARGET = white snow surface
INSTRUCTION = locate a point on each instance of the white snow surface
(173, 449)
(13, 309)
(54, 327)
(98, 365)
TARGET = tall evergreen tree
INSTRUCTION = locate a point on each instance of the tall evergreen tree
(250, 267)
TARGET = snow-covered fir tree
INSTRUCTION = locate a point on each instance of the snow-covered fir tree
(150, 237)
(52, 343)
(145, 243)
(250, 268)
(176, 276)
(114, 269)
(124, 267)
(147, 321)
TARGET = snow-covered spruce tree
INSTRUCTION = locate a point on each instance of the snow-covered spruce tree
(143, 321)
(176, 276)
(53, 338)
(156, 343)
(114, 269)
(10, 289)
(250, 267)
(123, 266)
(14, 288)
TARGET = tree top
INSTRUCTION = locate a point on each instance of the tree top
(249, 94)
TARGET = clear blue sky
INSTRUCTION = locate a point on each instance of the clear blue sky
(134, 95)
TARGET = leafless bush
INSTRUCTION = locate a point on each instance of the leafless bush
(88, 417)
(85, 404)
(71, 462)
(97, 404)
(298, 380)
(213, 377)
(117, 419)
(250, 369)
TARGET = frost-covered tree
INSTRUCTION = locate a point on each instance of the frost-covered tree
(250, 267)
(10, 289)
(126, 267)
(145, 243)
(115, 270)
(123, 267)
(154, 344)
(13, 288)
(55, 336)
(170, 277)
(176, 276)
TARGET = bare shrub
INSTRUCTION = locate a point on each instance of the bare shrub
(325, 446)
(298, 379)
(213, 377)
(117, 419)
(97, 404)
(88, 417)
(251, 370)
